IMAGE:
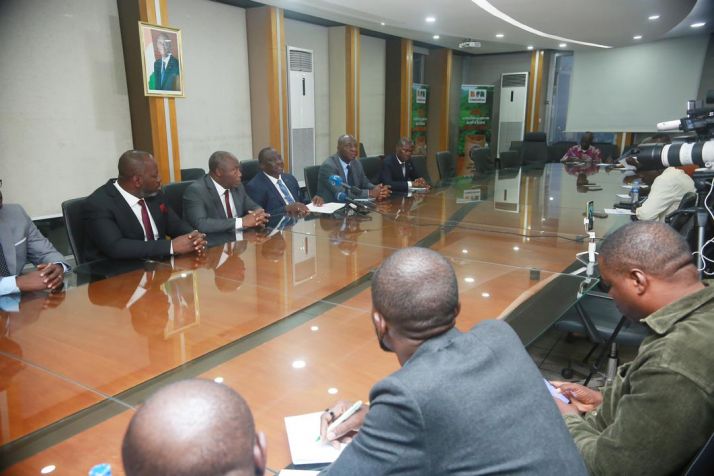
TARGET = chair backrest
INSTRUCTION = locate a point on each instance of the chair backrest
(372, 167)
(516, 145)
(192, 174)
(703, 463)
(249, 169)
(72, 210)
(483, 162)
(446, 165)
(174, 195)
(534, 149)
(362, 152)
(419, 163)
(607, 150)
(311, 173)
(557, 150)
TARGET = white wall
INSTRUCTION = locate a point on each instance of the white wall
(64, 110)
(215, 114)
(315, 38)
(373, 56)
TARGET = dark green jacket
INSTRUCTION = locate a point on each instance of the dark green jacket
(659, 411)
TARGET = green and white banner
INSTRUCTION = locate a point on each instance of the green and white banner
(420, 116)
(475, 114)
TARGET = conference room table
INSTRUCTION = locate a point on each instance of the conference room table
(280, 314)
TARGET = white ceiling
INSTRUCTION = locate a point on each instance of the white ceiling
(607, 22)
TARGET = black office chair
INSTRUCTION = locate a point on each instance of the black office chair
(509, 159)
(516, 145)
(534, 150)
(446, 164)
(72, 210)
(597, 317)
(608, 150)
(362, 152)
(311, 174)
(703, 463)
(174, 195)
(557, 150)
(483, 162)
(419, 163)
(192, 174)
(249, 169)
(372, 167)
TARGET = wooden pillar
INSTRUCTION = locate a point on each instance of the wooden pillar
(352, 80)
(268, 80)
(398, 91)
(438, 77)
(535, 92)
(153, 119)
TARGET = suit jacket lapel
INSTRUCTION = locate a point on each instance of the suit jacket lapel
(7, 241)
(124, 209)
(154, 206)
(340, 170)
(215, 198)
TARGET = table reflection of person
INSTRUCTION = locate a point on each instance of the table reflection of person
(166, 68)
(344, 232)
(228, 267)
(274, 248)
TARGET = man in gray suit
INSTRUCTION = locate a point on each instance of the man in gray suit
(344, 165)
(462, 404)
(20, 242)
(218, 202)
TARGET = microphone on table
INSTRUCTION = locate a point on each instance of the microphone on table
(344, 195)
(337, 181)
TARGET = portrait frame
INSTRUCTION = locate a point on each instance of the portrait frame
(161, 80)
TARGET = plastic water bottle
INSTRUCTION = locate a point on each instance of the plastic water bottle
(635, 191)
(103, 469)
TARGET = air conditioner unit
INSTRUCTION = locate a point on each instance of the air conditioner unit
(301, 106)
(512, 109)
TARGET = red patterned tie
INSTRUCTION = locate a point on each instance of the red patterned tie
(148, 230)
(229, 212)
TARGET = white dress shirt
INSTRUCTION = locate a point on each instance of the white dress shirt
(133, 203)
(222, 195)
(666, 193)
(403, 165)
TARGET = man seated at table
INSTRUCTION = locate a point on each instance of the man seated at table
(398, 172)
(462, 403)
(344, 165)
(21, 242)
(659, 411)
(274, 190)
(583, 151)
(217, 202)
(128, 218)
(195, 427)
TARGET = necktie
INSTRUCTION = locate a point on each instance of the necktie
(148, 230)
(4, 271)
(404, 170)
(163, 70)
(229, 212)
(286, 193)
(350, 176)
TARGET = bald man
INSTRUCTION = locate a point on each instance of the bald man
(193, 428)
(458, 405)
(659, 411)
(128, 218)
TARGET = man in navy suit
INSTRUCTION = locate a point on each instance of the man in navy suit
(128, 218)
(398, 170)
(274, 190)
(166, 68)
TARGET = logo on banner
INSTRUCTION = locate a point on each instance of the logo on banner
(421, 96)
(477, 96)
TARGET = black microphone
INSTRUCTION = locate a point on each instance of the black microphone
(336, 180)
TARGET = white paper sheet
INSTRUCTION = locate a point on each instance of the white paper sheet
(297, 472)
(304, 440)
(623, 196)
(328, 208)
(618, 211)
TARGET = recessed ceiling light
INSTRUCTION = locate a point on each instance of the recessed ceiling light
(299, 364)
(465, 251)
(436, 37)
(48, 469)
(332, 391)
(469, 279)
(382, 23)
(516, 248)
(698, 24)
(653, 17)
(430, 19)
(218, 379)
(500, 35)
(637, 37)
(563, 45)
(530, 47)
(485, 295)
(314, 328)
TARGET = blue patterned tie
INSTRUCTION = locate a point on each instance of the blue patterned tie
(4, 271)
(286, 193)
(350, 176)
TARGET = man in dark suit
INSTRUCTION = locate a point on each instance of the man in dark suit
(166, 68)
(128, 218)
(398, 172)
(217, 202)
(22, 242)
(344, 165)
(462, 403)
(273, 189)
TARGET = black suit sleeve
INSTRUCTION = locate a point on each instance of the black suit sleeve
(104, 231)
(175, 226)
(389, 177)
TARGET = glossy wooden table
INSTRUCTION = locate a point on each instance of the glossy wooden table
(72, 371)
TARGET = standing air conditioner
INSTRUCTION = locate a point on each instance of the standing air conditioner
(301, 106)
(512, 109)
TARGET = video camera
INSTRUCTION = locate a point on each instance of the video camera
(695, 149)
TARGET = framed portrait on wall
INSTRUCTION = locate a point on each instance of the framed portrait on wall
(162, 60)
